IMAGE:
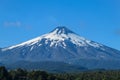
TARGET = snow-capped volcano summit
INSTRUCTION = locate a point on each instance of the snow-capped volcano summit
(57, 38)
(62, 45)
(62, 30)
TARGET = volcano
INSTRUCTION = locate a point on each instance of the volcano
(60, 46)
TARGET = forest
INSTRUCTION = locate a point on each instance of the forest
(20, 74)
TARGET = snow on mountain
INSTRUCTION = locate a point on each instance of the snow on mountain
(63, 45)
(60, 34)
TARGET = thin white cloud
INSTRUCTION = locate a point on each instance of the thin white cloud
(12, 24)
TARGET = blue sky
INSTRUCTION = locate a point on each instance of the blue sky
(97, 20)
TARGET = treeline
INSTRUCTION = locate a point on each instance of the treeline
(20, 74)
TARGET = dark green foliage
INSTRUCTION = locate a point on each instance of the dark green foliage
(18, 74)
(38, 75)
(4, 74)
(21, 74)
